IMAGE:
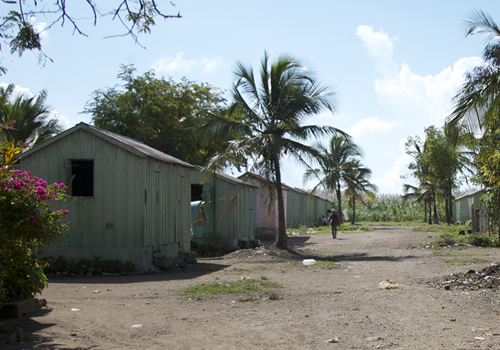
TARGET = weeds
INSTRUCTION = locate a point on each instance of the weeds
(465, 261)
(243, 286)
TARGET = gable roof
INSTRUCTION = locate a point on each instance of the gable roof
(229, 177)
(131, 145)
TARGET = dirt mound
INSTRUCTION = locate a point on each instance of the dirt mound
(489, 277)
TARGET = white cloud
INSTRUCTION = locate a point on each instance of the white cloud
(180, 64)
(18, 91)
(390, 182)
(434, 92)
(39, 27)
(370, 125)
(379, 46)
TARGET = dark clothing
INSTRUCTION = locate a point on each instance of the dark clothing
(334, 221)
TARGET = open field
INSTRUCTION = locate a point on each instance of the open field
(334, 304)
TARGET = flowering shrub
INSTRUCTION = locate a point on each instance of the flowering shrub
(26, 225)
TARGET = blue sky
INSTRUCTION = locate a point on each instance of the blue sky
(395, 65)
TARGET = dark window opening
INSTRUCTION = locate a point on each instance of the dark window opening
(82, 173)
(196, 192)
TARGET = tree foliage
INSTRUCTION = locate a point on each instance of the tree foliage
(440, 166)
(476, 113)
(335, 163)
(275, 103)
(29, 118)
(358, 187)
(17, 29)
(163, 114)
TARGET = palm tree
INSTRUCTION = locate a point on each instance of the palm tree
(335, 163)
(274, 108)
(30, 117)
(477, 104)
(357, 186)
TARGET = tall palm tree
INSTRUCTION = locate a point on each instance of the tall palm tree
(275, 105)
(30, 117)
(477, 103)
(357, 186)
(335, 163)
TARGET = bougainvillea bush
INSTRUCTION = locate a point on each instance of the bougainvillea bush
(27, 224)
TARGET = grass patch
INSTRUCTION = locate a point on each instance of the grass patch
(344, 228)
(391, 223)
(326, 264)
(239, 287)
(465, 261)
(254, 270)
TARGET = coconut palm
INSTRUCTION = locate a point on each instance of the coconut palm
(275, 104)
(477, 104)
(30, 117)
(335, 163)
(357, 186)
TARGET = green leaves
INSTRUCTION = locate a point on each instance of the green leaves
(162, 113)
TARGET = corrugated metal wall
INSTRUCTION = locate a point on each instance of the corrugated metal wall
(462, 206)
(296, 204)
(303, 209)
(137, 202)
(230, 208)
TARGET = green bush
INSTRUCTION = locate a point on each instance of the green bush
(480, 240)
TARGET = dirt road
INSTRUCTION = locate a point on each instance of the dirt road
(338, 308)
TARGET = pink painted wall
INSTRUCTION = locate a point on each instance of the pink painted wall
(263, 219)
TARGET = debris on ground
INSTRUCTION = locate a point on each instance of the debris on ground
(308, 262)
(489, 277)
(388, 284)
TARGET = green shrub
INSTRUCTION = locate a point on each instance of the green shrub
(480, 240)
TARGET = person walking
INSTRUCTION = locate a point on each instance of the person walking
(334, 221)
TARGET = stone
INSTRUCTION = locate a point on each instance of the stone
(162, 261)
(188, 257)
(12, 309)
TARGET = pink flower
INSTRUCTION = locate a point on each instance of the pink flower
(32, 219)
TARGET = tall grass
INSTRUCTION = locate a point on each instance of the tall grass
(394, 208)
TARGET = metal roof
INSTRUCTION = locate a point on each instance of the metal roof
(128, 143)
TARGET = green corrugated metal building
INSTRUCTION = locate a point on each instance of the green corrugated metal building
(305, 209)
(128, 199)
(230, 209)
(462, 207)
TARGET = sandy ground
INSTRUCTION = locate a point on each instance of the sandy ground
(339, 308)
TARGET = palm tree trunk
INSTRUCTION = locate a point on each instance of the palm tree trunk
(447, 210)
(353, 209)
(339, 200)
(498, 208)
(450, 203)
(435, 216)
(430, 212)
(281, 238)
(425, 210)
